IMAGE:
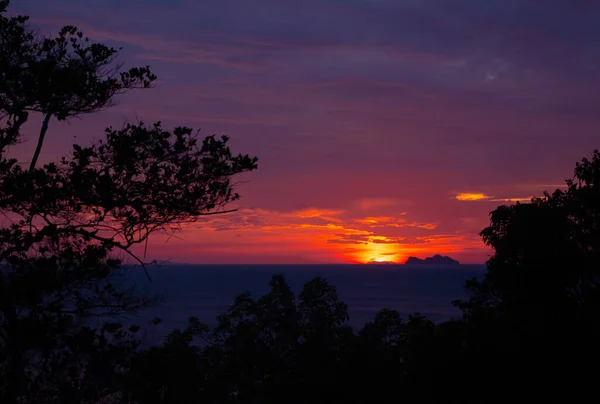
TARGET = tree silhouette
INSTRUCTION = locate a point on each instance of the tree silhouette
(272, 349)
(279, 348)
(541, 287)
(174, 372)
(69, 222)
(62, 77)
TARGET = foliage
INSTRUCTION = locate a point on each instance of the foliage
(279, 348)
(541, 287)
(68, 224)
(62, 77)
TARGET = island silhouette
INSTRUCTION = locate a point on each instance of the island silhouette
(435, 260)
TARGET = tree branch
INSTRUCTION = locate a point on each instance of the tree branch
(38, 148)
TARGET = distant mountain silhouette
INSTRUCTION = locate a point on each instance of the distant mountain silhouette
(435, 260)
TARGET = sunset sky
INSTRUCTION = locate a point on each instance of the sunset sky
(384, 128)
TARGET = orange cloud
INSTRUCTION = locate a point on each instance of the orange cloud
(426, 226)
(466, 196)
(483, 197)
(328, 215)
(377, 220)
(392, 222)
(318, 213)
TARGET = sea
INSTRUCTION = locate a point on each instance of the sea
(205, 291)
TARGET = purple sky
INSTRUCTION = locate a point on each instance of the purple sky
(369, 117)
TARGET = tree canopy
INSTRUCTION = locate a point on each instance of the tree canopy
(63, 76)
(69, 224)
(541, 287)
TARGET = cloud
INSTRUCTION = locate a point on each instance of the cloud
(363, 238)
(428, 41)
(483, 197)
(466, 196)
(392, 222)
(386, 240)
(325, 214)
(349, 239)
(512, 199)
(375, 220)
(426, 226)
(378, 203)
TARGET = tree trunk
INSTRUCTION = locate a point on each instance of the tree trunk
(38, 149)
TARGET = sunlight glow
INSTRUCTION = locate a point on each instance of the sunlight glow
(309, 236)
(378, 252)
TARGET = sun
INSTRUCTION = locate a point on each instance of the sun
(379, 252)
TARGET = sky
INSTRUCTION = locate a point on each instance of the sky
(384, 128)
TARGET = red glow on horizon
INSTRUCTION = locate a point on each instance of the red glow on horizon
(313, 236)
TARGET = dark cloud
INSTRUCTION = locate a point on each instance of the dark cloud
(459, 40)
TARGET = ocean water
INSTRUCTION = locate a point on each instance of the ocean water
(206, 291)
